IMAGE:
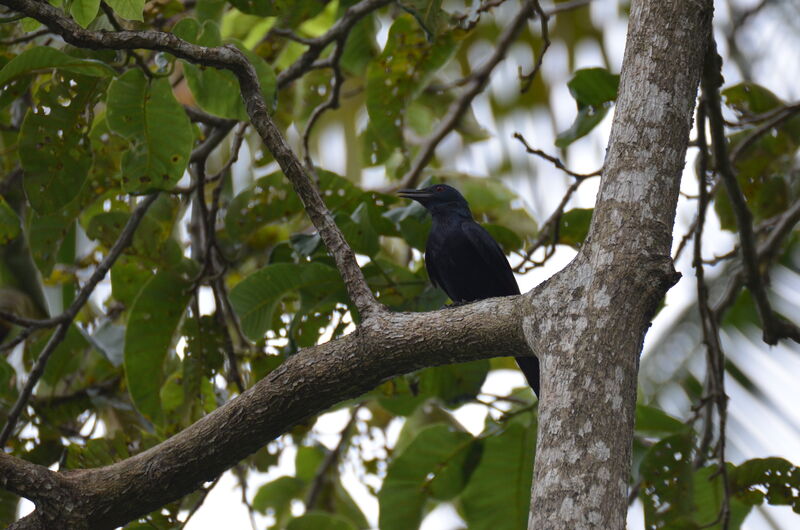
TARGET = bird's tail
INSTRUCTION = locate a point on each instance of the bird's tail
(530, 368)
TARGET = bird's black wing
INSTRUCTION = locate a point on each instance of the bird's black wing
(499, 277)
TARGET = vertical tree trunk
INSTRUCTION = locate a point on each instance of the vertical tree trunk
(590, 343)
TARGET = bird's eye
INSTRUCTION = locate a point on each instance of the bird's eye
(439, 188)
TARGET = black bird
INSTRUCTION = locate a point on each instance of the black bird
(463, 259)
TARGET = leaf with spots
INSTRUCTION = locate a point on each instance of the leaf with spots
(154, 317)
(146, 113)
(43, 59)
(254, 298)
(269, 200)
(54, 147)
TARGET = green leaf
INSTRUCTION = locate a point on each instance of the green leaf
(215, 90)
(593, 87)
(84, 11)
(573, 226)
(255, 297)
(54, 145)
(667, 491)
(128, 275)
(772, 479)
(9, 223)
(404, 68)
(147, 113)
(437, 455)
(8, 508)
(428, 13)
(153, 320)
(42, 58)
(275, 497)
(319, 520)
(498, 494)
(656, 422)
(97, 452)
(586, 120)
(455, 383)
(270, 199)
(749, 98)
(709, 494)
(308, 460)
(263, 8)
(128, 9)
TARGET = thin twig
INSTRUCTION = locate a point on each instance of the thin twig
(527, 79)
(65, 319)
(331, 103)
(555, 161)
(25, 38)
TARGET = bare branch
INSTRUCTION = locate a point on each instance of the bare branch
(555, 161)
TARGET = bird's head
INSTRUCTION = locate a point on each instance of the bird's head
(439, 199)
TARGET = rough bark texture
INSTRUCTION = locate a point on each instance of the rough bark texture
(590, 341)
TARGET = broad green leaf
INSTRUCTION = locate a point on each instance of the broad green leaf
(263, 8)
(9, 222)
(667, 491)
(749, 98)
(54, 145)
(153, 320)
(97, 452)
(255, 297)
(593, 87)
(308, 460)
(404, 68)
(147, 114)
(8, 508)
(428, 13)
(586, 120)
(772, 479)
(436, 456)
(573, 226)
(708, 497)
(217, 91)
(128, 9)
(84, 11)
(319, 520)
(128, 275)
(497, 496)
(42, 58)
(275, 497)
(655, 422)
(454, 383)
(66, 358)
(270, 199)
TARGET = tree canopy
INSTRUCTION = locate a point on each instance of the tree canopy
(191, 193)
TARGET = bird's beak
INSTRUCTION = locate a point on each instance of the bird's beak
(415, 194)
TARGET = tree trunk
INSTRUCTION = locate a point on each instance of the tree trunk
(590, 342)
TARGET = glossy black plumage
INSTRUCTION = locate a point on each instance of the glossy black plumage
(463, 259)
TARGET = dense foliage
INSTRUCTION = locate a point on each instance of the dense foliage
(224, 276)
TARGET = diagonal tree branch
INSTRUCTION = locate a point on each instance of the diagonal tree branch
(230, 58)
